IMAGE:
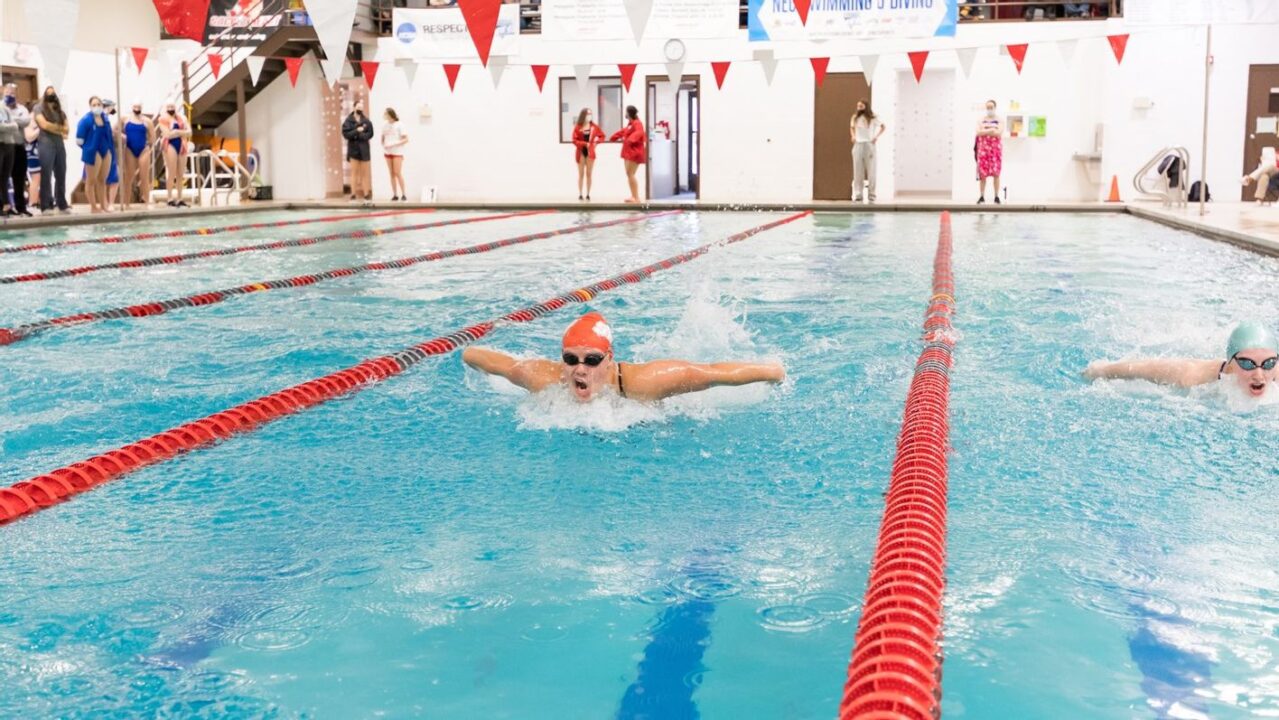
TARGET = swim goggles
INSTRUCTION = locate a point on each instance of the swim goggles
(1246, 364)
(594, 359)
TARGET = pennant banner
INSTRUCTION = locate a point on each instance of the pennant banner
(768, 63)
(721, 70)
(450, 71)
(819, 69)
(255, 63)
(638, 12)
(966, 56)
(368, 68)
(801, 7)
(583, 75)
(139, 58)
(481, 23)
(293, 65)
(539, 74)
(51, 26)
(181, 18)
(628, 74)
(1018, 54)
(497, 66)
(215, 64)
(1067, 49)
(675, 73)
(917, 60)
(869, 62)
(332, 20)
(1118, 43)
(410, 71)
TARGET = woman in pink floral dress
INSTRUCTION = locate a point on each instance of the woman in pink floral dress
(989, 150)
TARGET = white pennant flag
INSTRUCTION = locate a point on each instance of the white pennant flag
(410, 70)
(675, 73)
(583, 75)
(768, 61)
(868, 67)
(966, 57)
(332, 20)
(497, 65)
(51, 25)
(638, 12)
(1067, 49)
(255, 63)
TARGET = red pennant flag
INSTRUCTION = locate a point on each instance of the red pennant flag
(1118, 43)
(1018, 54)
(628, 74)
(819, 69)
(184, 18)
(802, 7)
(294, 64)
(917, 60)
(215, 64)
(721, 71)
(139, 57)
(481, 22)
(451, 71)
(539, 74)
(369, 69)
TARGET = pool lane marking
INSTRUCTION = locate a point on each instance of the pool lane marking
(43, 491)
(277, 245)
(113, 239)
(8, 336)
(895, 670)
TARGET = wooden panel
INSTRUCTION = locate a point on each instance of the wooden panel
(834, 104)
(1261, 103)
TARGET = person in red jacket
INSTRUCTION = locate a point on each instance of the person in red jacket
(586, 135)
(634, 149)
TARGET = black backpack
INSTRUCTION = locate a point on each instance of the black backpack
(1195, 189)
(1171, 166)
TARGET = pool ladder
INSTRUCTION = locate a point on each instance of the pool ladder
(1162, 187)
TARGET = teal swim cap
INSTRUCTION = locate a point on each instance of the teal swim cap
(1251, 334)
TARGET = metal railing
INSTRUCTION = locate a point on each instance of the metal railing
(1162, 186)
(205, 172)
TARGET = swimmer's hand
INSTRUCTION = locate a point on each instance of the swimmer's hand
(774, 372)
(1095, 369)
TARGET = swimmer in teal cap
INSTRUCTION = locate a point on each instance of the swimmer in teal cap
(1251, 356)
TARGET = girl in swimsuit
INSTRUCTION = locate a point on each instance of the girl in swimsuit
(138, 136)
(96, 141)
(176, 133)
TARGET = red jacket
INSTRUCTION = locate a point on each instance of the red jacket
(634, 142)
(585, 140)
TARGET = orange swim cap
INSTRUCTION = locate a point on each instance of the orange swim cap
(590, 330)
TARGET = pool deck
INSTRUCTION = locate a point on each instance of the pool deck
(1245, 224)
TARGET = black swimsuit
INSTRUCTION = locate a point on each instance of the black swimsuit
(620, 390)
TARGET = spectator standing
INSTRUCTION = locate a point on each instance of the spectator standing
(634, 149)
(96, 142)
(989, 150)
(18, 165)
(586, 135)
(52, 143)
(358, 131)
(865, 129)
(393, 143)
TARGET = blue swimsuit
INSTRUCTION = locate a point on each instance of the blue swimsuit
(96, 139)
(135, 137)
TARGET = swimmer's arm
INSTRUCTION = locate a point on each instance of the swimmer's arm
(1182, 373)
(664, 378)
(532, 375)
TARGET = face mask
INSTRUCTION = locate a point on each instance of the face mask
(990, 113)
(10, 100)
(96, 110)
(137, 111)
(172, 112)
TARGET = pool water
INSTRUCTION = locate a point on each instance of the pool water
(442, 545)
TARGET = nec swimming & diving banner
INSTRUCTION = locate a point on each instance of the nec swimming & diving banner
(778, 20)
(441, 33)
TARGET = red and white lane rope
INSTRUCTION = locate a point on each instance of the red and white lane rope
(45, 490)
(278, 245)
(895, 672)
(9, 336)
(188, 232)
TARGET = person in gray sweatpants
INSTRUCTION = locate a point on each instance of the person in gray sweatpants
(865, 130)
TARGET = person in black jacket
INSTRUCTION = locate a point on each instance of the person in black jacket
(358, 131)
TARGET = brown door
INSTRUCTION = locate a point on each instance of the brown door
(25, 79)
(1263, 102)
(832, 146)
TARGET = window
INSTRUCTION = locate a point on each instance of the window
(604, 98)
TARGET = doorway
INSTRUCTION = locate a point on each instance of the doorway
(673, 119)
(1263, 109)
(834, 102)
(24, 78)
(924, 127)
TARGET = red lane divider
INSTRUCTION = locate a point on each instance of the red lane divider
(111, 239)
(14, 334)
(278, 245)
(895, 671)
(43, 491)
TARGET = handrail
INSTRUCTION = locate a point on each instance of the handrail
(199, 72)
(1164, 190)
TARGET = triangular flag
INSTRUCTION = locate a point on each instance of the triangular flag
(51, 25)
(768, 61)
(1117, 44)
(181, 18)
(1067, 49)
(255, 63)
(721, 70)
(583, 75)
(966, 56)
(139, 57)
(868, 67)
(450, 71)
(675, 74)
(215, 64)
(293, 65)
(539, 74)
(497, 66)
(481, 22)
(819, 69)
(917, 60)
(332, 20)
(628, 74)
(1018, 54)
(410, 71)
(802, 7)
(638, 12)
(369, 69)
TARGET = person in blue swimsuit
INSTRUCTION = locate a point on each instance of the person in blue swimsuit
(97, 143)
(175, 131)
(113, 176)
(139, 135)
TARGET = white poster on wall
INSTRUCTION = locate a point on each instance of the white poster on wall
(1200, 12)
(778, 20)
(441, 34)
(572, 20)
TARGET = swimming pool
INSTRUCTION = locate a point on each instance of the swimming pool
(441, 545)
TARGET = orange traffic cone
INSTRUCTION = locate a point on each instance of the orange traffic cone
(1114, 189)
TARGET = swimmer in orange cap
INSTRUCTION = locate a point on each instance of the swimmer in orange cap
(587, 368)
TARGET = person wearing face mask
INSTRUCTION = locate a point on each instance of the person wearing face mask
(54, 129)
(96, 141)
(586, 135)
(113, 175)
(634, 149)
(138, 137)
(865, 130)
(17, 176)
(175, 132)
(358, 131)
(393, 142)
(988, 149)
(9, 136)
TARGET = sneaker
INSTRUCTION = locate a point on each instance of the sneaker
(997, 200)
(171, 204)
(368, 197)
(182, 204)
(26, 213)
(352, 197)
(981, 200)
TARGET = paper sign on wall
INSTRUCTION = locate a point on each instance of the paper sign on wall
(440, 33)
(576, 20)
(1268, 125)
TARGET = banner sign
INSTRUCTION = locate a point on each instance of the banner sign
(778, 20)
(440, 33)
(574, 20)
(1200, 12)
(242, 22)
